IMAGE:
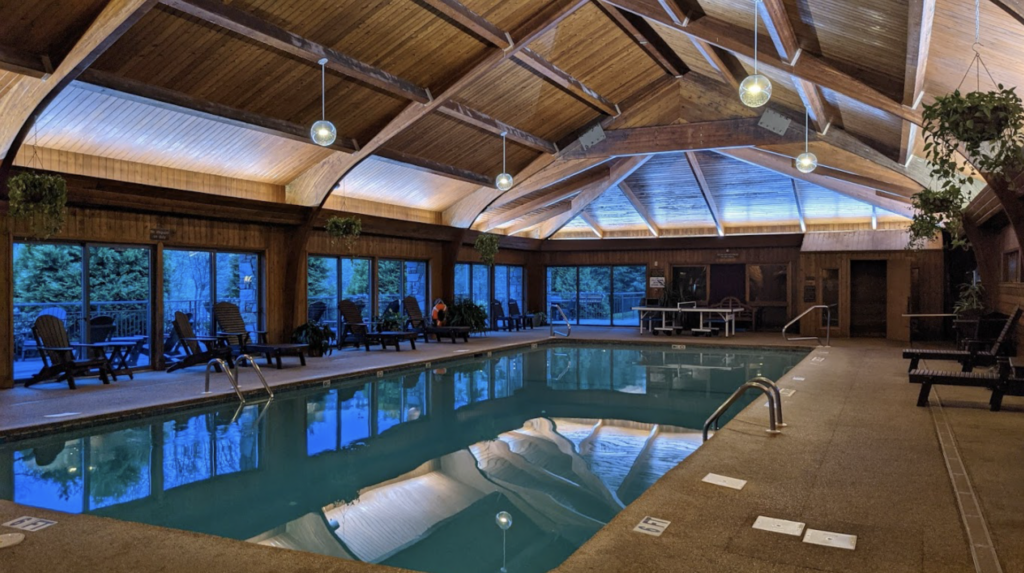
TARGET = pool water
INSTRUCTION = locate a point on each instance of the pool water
(408, 470)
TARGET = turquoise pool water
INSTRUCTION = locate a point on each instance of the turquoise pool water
(408, 470)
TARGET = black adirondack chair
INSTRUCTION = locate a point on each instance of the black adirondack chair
(234, 331)
(198, 349)
(416, 321)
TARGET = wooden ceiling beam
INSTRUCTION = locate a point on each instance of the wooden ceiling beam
(645, 36)
(744, 132)
(434, 167)
(799, 206)
(25, 63)
(553, 194)
(725, 63)
(314, 186)
(566, 82)
(480, 120)
(819, 111)
(919, 40)
(591, 222)
(538, 219)
(640, 208)
(266, 33)
(780, 28)
(478, 25)
(855, 178)
(682, 12)
(784, 166)
(25, 101)
(619, 170)
(705, 191)
(1015, 8)
(810, 67)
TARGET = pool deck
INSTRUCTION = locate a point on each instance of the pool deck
(857, 457)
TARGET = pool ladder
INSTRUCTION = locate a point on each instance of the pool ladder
(770, 389)
(828, 329)
(568, 325)
(232, 375)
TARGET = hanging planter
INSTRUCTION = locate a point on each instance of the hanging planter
(39, 199)
(486, 246)
(346, 229)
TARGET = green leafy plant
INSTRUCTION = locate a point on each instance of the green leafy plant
(486, 245)
(464, 312)
(39, 199)
(972, 299)
(986, 128)
(346, 229)
(540, 319)
(317, 336)
(391, 321)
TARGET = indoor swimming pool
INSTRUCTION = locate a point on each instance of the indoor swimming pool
(409, 469)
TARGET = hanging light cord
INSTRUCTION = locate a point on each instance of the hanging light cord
(755, 36)
(503, 170)
(323, 92)
(806, 128)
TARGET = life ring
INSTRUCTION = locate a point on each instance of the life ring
(438, 313)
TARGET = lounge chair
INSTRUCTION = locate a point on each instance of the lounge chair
(498, 318)
(418, 323)
(233, 330)
(316, 312)
(28, 341)
(198, 349)
(999, 382)
(58, 354)
(353, 328)
(101, 328)
(975, 355)
(525, 319)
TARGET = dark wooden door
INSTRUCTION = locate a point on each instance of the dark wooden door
(868, 304)
(728, 280)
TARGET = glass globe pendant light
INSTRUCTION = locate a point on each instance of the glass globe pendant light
(323, 131)
(806, 161)
(755, 90)
(503, 181)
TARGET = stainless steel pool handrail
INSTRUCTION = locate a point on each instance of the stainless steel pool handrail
(568, 325)
(256, 367)
(218, 363)
(769, 388)
(828, 329)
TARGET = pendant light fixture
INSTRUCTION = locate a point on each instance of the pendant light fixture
(806, 161)
(323, 131)
(755, 90)
(503, 181)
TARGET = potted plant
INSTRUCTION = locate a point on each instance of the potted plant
(971, 302)
(391, 321)
(983, 126)
(464, 312)
(317, 336)
(540, 318)
(346, 229)
(486, 245)
(41, 200)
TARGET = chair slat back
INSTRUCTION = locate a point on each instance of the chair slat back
(1004, 334)
(229, 318)
(412, 309)
(101, 328)
(351, 315)
(55, 311)
(316, 311)
(183, 328)
(497, 313)
(513, 308)
(50, 333)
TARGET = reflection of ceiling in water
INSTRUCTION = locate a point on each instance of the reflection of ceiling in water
(561, 479)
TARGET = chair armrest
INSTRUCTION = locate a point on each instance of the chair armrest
(58, 348)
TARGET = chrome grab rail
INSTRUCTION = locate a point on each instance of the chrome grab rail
(828, 329)
(770, 389)
(256, 367)
(232, 375)
(568, 325)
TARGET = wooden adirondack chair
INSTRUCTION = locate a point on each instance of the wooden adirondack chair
(233, 330)
(353, 328)
(58, 354)
(514, 312)
(198, 349)
(419, 323)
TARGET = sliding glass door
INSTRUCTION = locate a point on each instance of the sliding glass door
(597, 295)
(333, 279)
(399, 279)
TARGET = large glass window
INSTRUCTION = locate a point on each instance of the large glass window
(337, 419)
(399, 279)
(99, 292)
(200, 447)
(508, 285)
(331, 280)
(401, 400)
(597, 295)
(768, 283)
(472, 281)
(196, 280)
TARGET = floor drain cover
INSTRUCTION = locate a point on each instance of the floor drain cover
(829, 539)
(794, 528)
(724, 481)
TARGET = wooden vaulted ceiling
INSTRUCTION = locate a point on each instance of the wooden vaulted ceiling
(421, 89)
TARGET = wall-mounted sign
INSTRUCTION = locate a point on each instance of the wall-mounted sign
(657, 282)
(728, 256)
(810, 290)
(157, 234)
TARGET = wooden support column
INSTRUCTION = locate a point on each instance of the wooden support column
(156, 335)
(450, 256)
(6, 301)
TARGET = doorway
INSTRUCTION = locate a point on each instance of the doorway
(868, 300)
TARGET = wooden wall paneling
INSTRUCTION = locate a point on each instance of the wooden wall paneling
(6, 301)
(898, 292)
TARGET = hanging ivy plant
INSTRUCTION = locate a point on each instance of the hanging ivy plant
(986, 128)
(39, 199)
(486, 245)
(345, 229)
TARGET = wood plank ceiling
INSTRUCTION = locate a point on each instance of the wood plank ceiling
(228, 90)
